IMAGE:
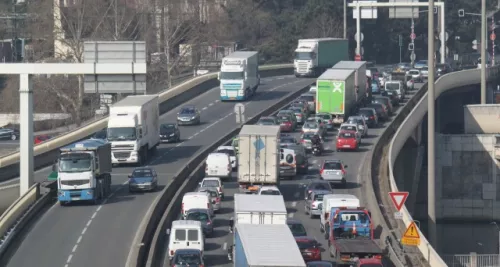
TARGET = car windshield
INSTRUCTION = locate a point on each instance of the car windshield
(101, 134)
(187, 111)
(306, 244)
(355, 121)
(424, 69)
(230, 152)
(270, 192)
(197, 216)
(297, 229)
(210, 183)
(187, 259)
(391, 86)
(345, 135)
(121, 134)
(332, 166)
(311, 126)
(167, 128)
(142, 173)
(308, 98)
(75, 162)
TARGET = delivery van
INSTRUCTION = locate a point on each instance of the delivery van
(196, 200)
(219, 165)
(185, 234)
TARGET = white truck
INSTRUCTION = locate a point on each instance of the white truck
(266, 246)
(134, 129)
(363, 94)
(258, 157)
(259, 209)
(314, 56)
(84, 172)
(239, 75)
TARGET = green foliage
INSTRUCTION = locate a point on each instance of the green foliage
(274, 26)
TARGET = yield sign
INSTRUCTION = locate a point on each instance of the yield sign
(399, 199)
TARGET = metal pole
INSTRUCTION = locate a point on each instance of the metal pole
(493, 41)
(26, 164)
(443, 35)
(483, 51)
(431, 157)
(400, 53)
(358, 30)
(345, 19)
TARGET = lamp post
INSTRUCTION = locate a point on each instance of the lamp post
(483, 51)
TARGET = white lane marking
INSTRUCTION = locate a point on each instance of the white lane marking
(204, 108)
(224, 247)
(314, 161)
(69, 258)
(290, 215)
(211, 104)
(217, 101)
(79, 240)
(9, 186)
(294, 204)
(327, 147)
(74, 248)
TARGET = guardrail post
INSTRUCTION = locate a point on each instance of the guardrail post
(473, 259)
(26, 162)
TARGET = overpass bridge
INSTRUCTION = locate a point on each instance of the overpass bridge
(467, 175)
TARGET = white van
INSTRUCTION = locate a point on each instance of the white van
(218, 164)
(335, 201)
(196, 200)
(185, 234)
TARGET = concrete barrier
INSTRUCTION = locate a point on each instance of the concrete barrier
(47, 152)
(164, 209)
(411, 120)
(20, 213)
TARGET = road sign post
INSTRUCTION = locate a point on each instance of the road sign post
(411, 236)
(239, 110)
(400, 48)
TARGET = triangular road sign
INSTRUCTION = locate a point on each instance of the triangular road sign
(412, 231)
(399, 199)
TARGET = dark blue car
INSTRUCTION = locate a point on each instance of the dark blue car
(376, 88)
(143, 179)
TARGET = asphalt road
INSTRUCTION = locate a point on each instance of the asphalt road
(293, 192)
(8, 146)
(85, 235)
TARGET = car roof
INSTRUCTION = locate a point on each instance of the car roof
(370, 109)
(348, 124)
(355, 118)
(208, 188)
(143, 168)
(292, 221)
(321, 191)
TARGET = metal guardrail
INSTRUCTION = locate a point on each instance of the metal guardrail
(413, 119)
(472, 259)
(45, 153)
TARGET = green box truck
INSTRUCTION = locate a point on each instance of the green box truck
(314, 56)
(336, 94)
(359, 67)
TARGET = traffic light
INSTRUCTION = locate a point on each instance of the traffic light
(461, 13)
(411, 46)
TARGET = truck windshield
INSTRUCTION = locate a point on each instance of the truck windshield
(121, 134)
(231, 75)
(389, 87)
(75, 162)
(305, 55)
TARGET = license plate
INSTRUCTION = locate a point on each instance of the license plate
(282, 171)
(213, 172)
(75, 198)
(346, 146)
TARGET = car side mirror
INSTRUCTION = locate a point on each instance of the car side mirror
(199, 184)
(167, 232)
(129, 176)
(345, 166)
(54, 167)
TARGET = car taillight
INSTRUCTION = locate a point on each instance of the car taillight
(314, 205)
(182, 208)
(411, 81)
(330, 121)
(217, 200)
(171, 253)
(343, 172)
(288, 123)
(378, 257)
(209, 223)
(321, 171)
(309, 191)
(299, 115)
(302, 141)
(372, 117)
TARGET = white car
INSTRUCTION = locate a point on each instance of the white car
(232, 154)
(416, 75)
(351, 127)
(313, 127)
(381, 80)
(269, 190)
(360, 121)
(213, 182)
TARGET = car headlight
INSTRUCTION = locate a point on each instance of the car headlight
(194, 117)
(172, 134)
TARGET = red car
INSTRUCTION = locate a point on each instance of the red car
(309, 247)
(41, 138)
(346, 140)
(372, 262)
(286, 123)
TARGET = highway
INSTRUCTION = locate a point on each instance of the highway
(8, 146)
(86, 235)
(293, 192)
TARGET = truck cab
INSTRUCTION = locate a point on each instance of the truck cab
(351, 236)
(239, 76)
(306, 58)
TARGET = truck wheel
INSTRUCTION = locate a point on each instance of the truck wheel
(63, 203)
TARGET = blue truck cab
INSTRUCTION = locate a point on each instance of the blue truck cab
(84, 171)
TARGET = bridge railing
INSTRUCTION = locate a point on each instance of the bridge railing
(443, 84)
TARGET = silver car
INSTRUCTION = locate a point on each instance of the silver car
(313, 201)
(415, 75)
(311, 101)
(360, 121)
(215, 197)
(299, 114)
(189, 115)
(333, 171)
(425, 73)
(313, 127)
(327, 120)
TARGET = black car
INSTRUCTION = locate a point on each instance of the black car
(370, 116)
(169, 132)
(101, 135)
(317, 185)
(8, 133)
(296, 227)
(187, 257)
(189, 115)
(381, 112)
(392, 96)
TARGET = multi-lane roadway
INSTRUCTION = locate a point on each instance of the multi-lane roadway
(8, 146)
(102, 235)
(293, 192)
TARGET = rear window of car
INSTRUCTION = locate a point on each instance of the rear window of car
(180, 235)
(306, 244)
(197, 216)
(311, 125)
(324, 116)
(227, 151)
(332, 166)
(365, 112)
(307, 97)
(414, 72)
(192, 235)
(210, 183)
(346, 135)
(266, 121)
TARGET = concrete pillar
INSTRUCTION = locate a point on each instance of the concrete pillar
(26, 140)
